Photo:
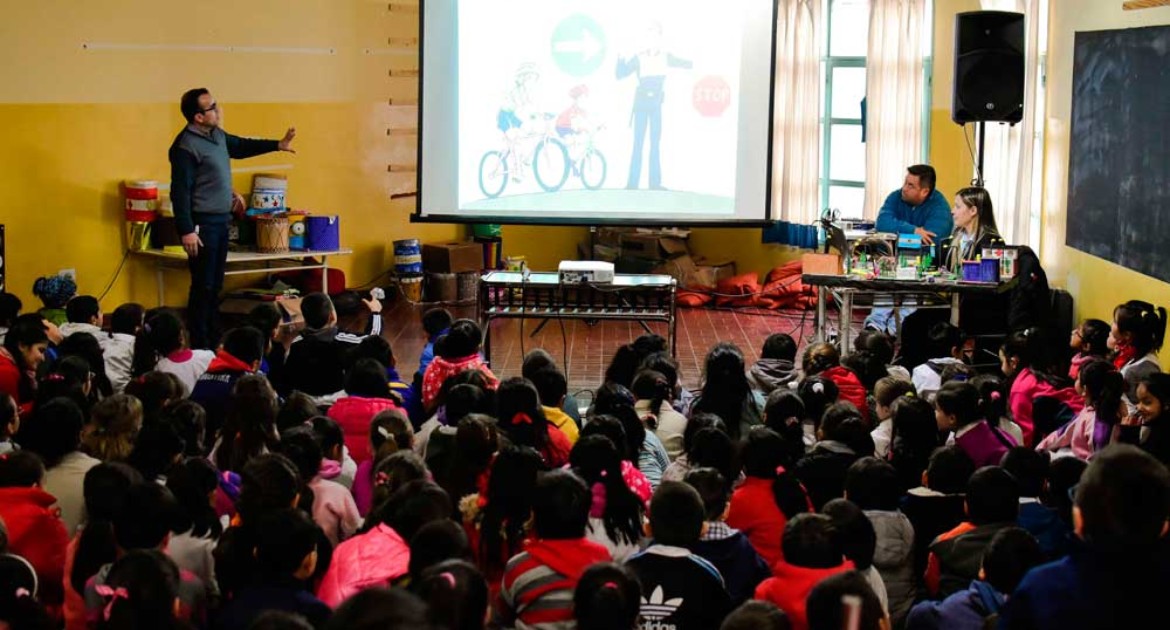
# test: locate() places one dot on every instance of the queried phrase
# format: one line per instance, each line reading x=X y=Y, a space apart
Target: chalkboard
x=1119 y=149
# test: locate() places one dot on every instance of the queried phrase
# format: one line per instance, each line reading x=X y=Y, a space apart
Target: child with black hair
x=336 y=464
x=818 y=394
x=297 y=409
x=858 y=543
x=957 y=409
x=615 y=513
x=435 y=542
x=726 y=391
x=197 y=527
x=456 y=593
x=822 y=470
x=538 y=359
x=914 y=438
x=538 y=584
x=390 y=432
x=68 y=377
x=642 y=446
x=654 y=392
x=948 y=346
x=162 y=345
x=1011 y=553
x=473 y=396
x=1095 y=427
x=118 y=345
x=1064 y=473
x=459 y=351
x=756 y=615
x=521 y=417
x=155 y=390
x=189 y=420
x=267 y=318
x=140 y=591
x=377 y=348
x=23 y=352
x=317 y=357
x=608 y=597
x=9 y=424
x=249 y=428
x=84 y=314
x=769 y=496
x=475 y=442
x=938 y=505
x=784 y=413
x=552 y=388
x=330 y=503
x=497 y=517
x=286 y=557
x=87 y=347
x=19 y=605
x=144 y=523
x=1030 y=468
x=1024 y=358
x=823 y=359
x=845 y=600
x=1136 y=337
x=10 y=306
x=1152 y=419
x=1089 y=342
x=1119 y=577
x=696 y=423
x=683 y=589
x=381 y=609
x=993 y=400
x=776 y=368
x=665 y=364
x=812 y=553
x=873 y=485
x=612 y=428
x=728 y=549
x=368 y=394
x=436 y=322
x=239 y=355
x=157 y=448
x=628 y=359
x=886 y=392
x=34 y=531
x=992 y=504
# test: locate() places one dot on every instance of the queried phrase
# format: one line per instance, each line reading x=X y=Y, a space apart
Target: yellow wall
x=89 y=98
x=1097 y=286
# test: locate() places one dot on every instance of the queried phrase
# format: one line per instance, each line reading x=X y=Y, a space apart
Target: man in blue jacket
x=918 y=208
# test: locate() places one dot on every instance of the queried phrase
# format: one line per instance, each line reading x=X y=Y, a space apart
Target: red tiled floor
x=589 y=348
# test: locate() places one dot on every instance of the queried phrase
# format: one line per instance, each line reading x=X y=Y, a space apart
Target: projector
x=585 y=271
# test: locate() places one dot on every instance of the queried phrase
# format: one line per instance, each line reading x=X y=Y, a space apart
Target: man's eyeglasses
x=214 y=106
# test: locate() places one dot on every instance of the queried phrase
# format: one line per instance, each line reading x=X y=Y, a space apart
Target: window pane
x=849 y=34
x=847 y=200
x=848 y=90
x=846 y=153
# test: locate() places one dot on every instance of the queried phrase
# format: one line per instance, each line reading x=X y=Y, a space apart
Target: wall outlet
x=70 y=273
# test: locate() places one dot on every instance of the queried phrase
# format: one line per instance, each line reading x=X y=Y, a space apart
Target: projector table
x=630 y=297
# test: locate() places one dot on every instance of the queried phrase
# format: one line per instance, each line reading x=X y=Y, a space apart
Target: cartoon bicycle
x=590 y=165
x=540 y=148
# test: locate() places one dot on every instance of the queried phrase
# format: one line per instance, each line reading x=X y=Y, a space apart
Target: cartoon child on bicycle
x=519 y=100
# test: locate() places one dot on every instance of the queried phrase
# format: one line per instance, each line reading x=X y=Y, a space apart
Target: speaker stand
x=980 y=145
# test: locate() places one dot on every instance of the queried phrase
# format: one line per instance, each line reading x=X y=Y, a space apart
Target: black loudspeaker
x=989 y=67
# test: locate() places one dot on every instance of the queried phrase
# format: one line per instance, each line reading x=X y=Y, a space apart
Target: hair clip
x=22 y=592
x=146 y=328
x=910 y=395
x=382 y=431
x=54 y=377
x=381 y=479
x=996 y=395
x=449 y=578
x=114 y=594
x=521 y=418
x=818 y=388
x=610 y=584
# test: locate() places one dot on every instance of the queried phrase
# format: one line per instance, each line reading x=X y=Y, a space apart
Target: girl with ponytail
x=1103 y=388
x=521 y=417
x=654 y=392
x=162 y=345
x=608 y=597
x=615 y=518
x=1024 y=357
x=769 y=496
x=1139 y=328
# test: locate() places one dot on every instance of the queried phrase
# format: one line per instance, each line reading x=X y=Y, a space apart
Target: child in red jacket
x=35 y=530
x=812 y=552
x=824 y=360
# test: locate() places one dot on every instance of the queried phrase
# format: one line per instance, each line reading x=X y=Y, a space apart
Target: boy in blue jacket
x=728 y=549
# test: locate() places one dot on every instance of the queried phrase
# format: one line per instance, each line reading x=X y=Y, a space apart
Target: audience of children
x=205 y=512
x=948 y=346
x=317 y=357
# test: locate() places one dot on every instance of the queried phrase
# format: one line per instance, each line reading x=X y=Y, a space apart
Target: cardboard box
x=452 y=257
x=607 y=253
x=821 y=264
x=681 y=268
x=611 y=236
x=708 y=273
x=626 y=264
x=653 y=246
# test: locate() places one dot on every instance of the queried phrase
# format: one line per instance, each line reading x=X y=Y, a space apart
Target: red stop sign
x=711 y=96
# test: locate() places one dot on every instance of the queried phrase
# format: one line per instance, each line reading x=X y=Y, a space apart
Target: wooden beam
x=1134 y=5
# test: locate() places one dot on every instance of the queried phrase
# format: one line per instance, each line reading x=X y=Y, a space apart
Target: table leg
x=846 y=322
x=158 y=282
x=325 y=275
x=954 y=309
x=822 y=298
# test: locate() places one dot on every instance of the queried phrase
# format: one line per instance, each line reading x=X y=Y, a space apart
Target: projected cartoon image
x=566 y=107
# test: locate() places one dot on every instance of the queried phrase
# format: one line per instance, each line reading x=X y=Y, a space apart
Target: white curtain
x=796 y=132
x=1010 y=157
x=895 y=88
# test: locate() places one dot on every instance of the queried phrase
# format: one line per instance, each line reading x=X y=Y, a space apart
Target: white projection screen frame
x=531 y=112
